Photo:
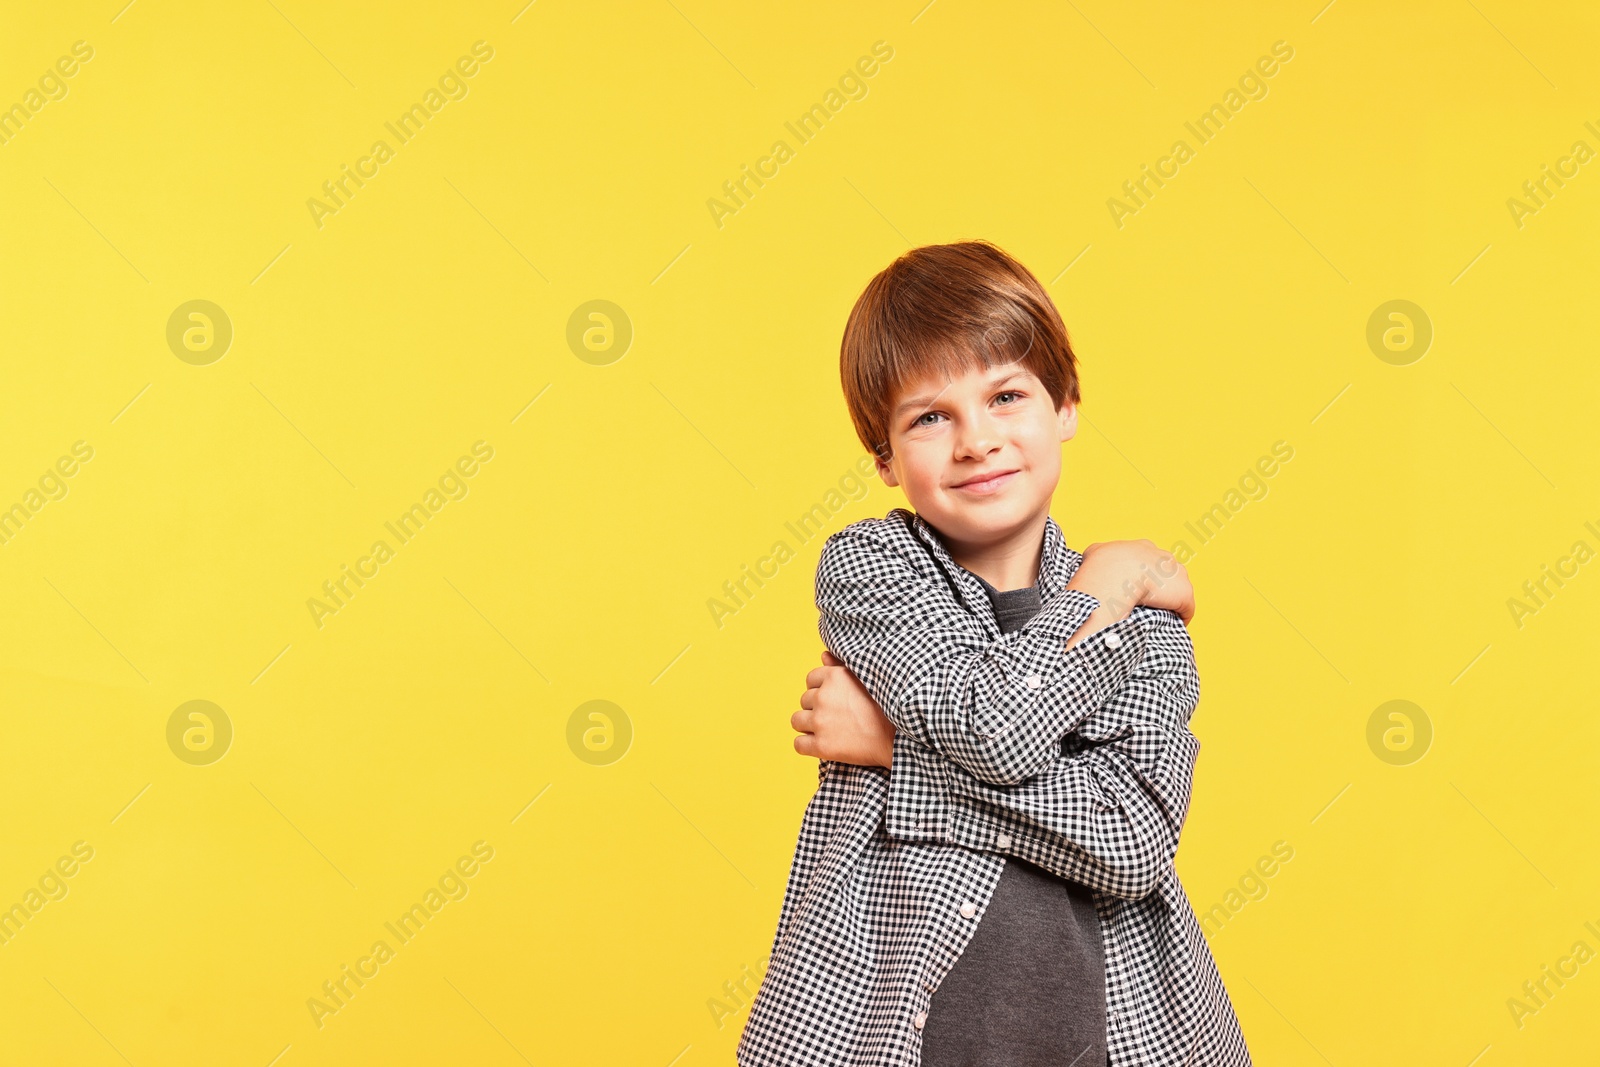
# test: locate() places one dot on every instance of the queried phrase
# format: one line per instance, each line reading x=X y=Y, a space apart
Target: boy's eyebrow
x=922 y=401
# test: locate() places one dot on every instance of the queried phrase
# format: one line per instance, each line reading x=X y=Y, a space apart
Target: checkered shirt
x=1007 y=744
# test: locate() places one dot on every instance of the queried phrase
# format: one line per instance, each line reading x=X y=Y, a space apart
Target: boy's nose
x=977 y=438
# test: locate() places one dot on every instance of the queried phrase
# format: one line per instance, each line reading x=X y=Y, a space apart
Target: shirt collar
x=1057 y=563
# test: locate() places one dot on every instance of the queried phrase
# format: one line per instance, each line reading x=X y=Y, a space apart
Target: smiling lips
x=987 y=483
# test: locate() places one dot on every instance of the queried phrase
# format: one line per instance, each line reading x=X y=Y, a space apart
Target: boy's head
x=956 y=366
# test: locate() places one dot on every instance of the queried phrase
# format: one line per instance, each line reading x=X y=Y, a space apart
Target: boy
x=984 y=875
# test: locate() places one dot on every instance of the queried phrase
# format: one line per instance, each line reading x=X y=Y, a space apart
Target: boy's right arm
x=996 y=707
x=1108 y=810
x=1124 y=575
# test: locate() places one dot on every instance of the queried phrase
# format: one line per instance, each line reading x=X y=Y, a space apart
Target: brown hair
x=952 y=307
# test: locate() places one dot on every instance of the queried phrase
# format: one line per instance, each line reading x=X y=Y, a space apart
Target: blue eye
x=918 y=421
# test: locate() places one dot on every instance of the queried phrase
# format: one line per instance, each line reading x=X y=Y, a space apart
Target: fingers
x=804 y=720
x=830 y=660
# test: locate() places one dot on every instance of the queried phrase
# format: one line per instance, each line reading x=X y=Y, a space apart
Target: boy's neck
x=1012 y=562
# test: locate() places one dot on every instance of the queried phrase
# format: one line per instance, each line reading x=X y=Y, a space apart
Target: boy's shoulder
x=900 y=531
x=899 y=523
x=904 y=533
x=866 y=545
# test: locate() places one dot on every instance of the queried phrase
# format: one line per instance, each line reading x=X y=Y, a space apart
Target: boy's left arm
x=1108 y=809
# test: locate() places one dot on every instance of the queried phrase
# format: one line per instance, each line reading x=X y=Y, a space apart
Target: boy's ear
x=886 y=473
x=1068 y=416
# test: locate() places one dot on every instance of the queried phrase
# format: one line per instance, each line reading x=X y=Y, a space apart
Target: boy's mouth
x=986 y=483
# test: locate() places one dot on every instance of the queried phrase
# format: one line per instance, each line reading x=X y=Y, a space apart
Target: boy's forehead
x=934 y=382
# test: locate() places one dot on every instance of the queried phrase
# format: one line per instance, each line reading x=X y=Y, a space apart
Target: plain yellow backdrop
x=638 y=860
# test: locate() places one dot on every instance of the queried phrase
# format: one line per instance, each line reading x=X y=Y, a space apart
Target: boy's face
x=950 y=437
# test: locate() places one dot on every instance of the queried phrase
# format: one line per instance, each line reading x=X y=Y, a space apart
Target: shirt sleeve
x=1108 y=810
x=996 y=707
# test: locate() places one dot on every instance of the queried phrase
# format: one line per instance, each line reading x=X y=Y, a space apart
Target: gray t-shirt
x=1030 y=988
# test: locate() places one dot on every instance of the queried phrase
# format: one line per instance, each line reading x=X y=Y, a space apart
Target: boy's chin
x=984 y=519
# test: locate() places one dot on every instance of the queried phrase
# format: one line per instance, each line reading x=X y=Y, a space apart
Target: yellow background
x=370 y=353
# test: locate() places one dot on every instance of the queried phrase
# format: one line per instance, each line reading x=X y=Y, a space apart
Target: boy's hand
x=838 y=719
x=1125 y=574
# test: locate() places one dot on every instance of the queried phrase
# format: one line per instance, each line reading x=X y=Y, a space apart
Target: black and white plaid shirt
x=1007 y=744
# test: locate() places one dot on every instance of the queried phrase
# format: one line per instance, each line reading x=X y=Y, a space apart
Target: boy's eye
x=918 y=421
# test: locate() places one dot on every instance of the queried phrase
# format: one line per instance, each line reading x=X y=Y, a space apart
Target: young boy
x=985 y=873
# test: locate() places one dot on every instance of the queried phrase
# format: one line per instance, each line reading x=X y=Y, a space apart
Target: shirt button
x=1034 y=681
x=1002 y=840
x=968 y=910
x=1113 y=640
x=920 y=1020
